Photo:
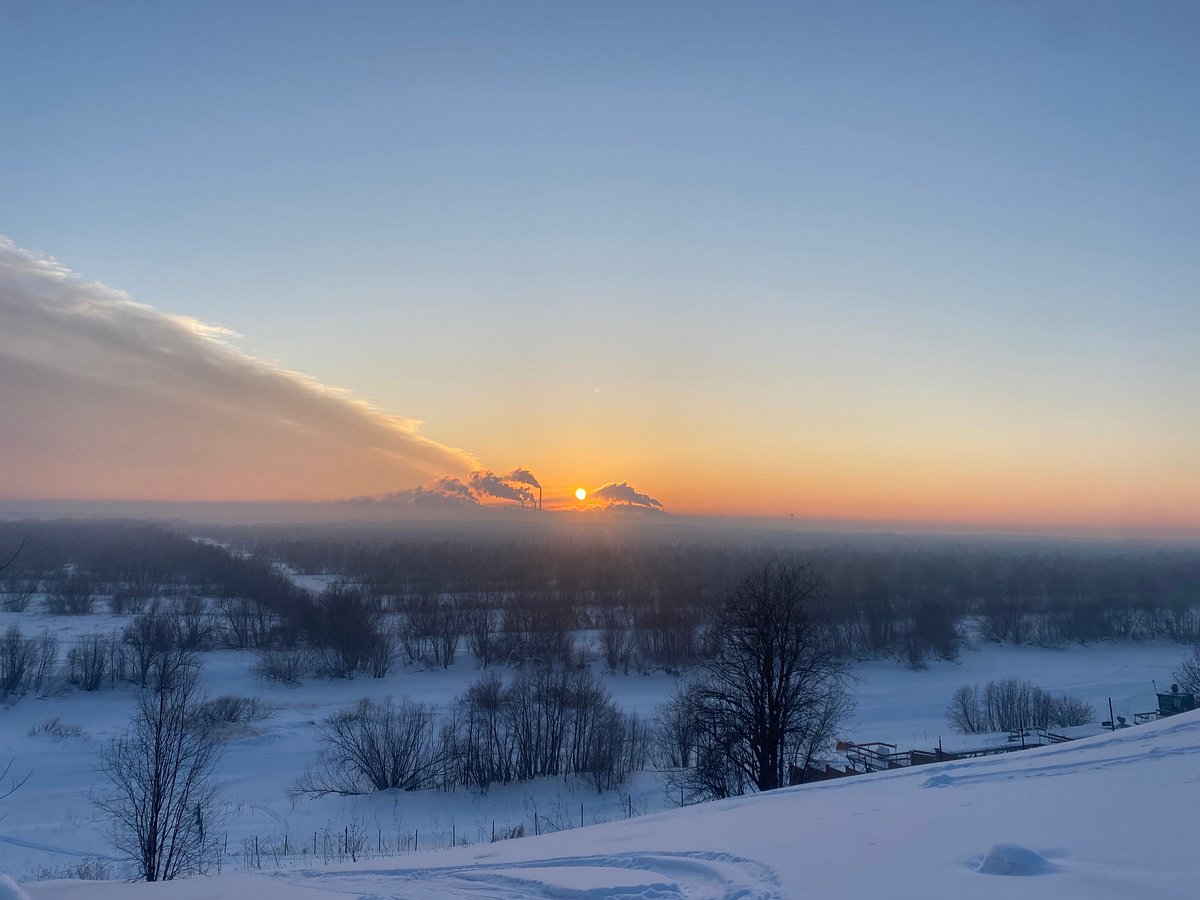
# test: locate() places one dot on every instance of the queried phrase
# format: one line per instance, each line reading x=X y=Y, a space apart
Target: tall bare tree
x=161 y=802
x=774 y=692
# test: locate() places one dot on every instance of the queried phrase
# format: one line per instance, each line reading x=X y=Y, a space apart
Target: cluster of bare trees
x=159 y=636
x=551 y=719
x=26 y=664
x=548 y=720
x=1014 y=705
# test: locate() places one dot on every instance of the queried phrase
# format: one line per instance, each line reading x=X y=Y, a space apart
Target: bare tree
x=965 y=714
x=1188 y=673
x=149 y=637
x=13 y=558
x=20 y=591
x=482 y=623
x=10 y=785
x=161 y=805
x=775 y=691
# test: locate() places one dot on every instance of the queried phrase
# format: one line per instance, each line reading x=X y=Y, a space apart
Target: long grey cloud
x=101 y=396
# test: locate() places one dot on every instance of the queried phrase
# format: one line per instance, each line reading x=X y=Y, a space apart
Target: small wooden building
x=1175 y=701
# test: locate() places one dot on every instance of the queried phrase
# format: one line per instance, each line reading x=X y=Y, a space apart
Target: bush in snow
x=72 y=596
x=1013 y=705
x=376 y=746
x=90 y=661
x=225 y=712
x=56 y=728
x=286 y=665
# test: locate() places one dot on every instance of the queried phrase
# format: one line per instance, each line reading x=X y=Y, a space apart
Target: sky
x=890 y=261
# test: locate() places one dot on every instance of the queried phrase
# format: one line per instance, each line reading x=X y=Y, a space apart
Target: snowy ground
x=1106 y=817
x=50 y=823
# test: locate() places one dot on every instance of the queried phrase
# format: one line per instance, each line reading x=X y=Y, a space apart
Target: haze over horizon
x=930 y=263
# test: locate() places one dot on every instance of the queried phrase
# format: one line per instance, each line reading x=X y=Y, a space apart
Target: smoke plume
x=487 y=483
x=521 y=475
x=623 y=494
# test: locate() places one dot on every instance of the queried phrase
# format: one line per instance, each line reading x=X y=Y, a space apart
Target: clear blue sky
x=592 y=234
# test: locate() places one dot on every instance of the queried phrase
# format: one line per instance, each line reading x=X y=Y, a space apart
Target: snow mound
x=1013 y=859
x=9 y=889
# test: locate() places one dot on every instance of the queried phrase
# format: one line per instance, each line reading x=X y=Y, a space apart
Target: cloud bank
x=103 y=397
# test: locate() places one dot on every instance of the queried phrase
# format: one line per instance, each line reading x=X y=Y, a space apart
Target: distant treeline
x=645 y=596
x=901 y=596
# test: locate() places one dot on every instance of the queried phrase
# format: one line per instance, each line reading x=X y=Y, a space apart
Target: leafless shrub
x=72 y=596
x=126 y=602
x=1072 y=711
x=965 y=712
x=17 y=660
x=56 y=728
x=376 y=746
x=286 y=665
x=229 y=710
x=80 y=870
x=45 y=663
x=18 y=594
x=89 y=662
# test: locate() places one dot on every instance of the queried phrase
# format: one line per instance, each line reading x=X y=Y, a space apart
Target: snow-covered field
x=1107 y=817
x=50 y=823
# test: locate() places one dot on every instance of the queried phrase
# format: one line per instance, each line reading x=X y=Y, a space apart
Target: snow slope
x=1107 y=817
x=51 y=823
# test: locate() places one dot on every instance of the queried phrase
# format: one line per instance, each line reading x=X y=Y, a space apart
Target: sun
x=580 y=494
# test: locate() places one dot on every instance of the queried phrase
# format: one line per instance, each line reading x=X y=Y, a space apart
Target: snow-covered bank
x=1106 y=817
x=50 y=823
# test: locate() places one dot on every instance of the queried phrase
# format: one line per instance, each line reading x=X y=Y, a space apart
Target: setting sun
x=580 y=494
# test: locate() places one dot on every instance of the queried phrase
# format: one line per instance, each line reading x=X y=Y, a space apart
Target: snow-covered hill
x=1110 y=816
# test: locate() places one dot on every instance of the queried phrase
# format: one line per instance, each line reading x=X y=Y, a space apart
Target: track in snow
x=661 y=876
